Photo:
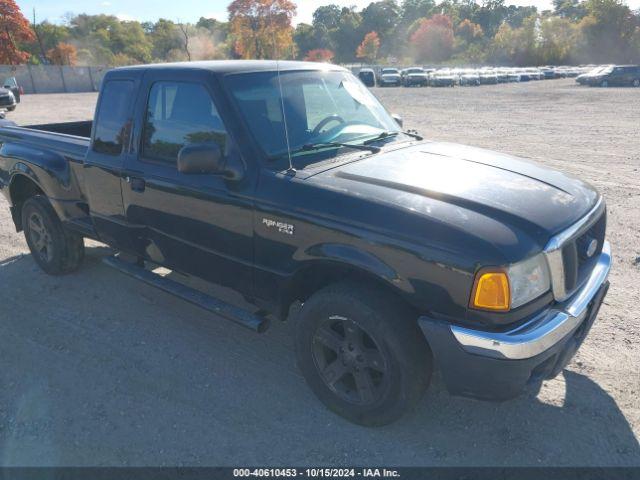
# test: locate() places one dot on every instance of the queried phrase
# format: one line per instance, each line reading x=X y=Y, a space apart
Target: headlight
x=528 y=279
x=506 y=288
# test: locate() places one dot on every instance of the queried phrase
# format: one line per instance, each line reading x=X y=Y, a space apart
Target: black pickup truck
x=290 y=183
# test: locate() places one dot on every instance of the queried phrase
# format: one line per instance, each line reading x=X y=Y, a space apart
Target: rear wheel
x=604 y=84
x=362 y=353
x=56 y=250
x=636 y=82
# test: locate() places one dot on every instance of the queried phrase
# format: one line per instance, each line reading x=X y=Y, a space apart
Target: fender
x=49 y=170
x=352 y=256
x=327 y=263
x=22 y=182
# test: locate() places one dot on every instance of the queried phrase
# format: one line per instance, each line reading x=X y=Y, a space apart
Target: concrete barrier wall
x=54 y=78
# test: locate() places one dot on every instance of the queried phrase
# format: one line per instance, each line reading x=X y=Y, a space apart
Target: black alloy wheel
x=349 y=361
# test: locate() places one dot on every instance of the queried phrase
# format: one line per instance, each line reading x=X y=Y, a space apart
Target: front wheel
x=362 y=353
x=604 y=84
x=636 y=82
x=56 y=250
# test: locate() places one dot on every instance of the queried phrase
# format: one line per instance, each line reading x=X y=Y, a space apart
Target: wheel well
x=313 y=278
x=21 y=189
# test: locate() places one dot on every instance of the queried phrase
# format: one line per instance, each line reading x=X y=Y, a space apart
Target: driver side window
x=179 y=114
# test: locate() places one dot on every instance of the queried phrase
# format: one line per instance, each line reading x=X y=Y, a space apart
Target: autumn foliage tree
x=469 y=31
x=319 y=55
x=432 y=41
x=262 y=28
x=369 y=48
x=14 y=28
x=63 y=54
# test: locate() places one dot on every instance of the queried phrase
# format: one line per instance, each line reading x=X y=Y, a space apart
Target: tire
x=56 y=250
x=374 y=360
x=11 y=109
x=636 y=82
x=604 y=84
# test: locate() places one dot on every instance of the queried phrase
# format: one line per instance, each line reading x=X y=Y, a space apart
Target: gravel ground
x=98 y=369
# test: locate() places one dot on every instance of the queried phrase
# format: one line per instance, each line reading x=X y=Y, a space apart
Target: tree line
x=407 y=31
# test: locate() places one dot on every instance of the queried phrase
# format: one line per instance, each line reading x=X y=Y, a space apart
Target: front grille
x=578 y=264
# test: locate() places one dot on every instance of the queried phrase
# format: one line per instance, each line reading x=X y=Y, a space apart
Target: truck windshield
x=321 y=107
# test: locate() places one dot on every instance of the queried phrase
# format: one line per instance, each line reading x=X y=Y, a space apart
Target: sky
x=189 y=10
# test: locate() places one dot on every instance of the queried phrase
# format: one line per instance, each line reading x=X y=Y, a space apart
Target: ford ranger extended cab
x=290 y=183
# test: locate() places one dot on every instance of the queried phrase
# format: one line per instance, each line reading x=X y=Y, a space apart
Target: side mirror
x=200 y=158
x=397 y=118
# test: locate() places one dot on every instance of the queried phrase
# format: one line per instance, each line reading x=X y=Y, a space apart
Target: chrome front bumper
x=542 y=332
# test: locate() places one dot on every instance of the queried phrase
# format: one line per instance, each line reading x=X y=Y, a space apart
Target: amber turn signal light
x=491 y=291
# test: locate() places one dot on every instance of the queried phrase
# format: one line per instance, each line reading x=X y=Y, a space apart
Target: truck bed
x=51 y=157
x=76 y=129
x=61 y=138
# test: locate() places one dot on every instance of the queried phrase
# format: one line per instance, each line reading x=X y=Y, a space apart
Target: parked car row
x=449 y=77
x=611 y=75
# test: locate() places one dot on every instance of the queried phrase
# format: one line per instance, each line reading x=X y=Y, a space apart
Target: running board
x=242 y=317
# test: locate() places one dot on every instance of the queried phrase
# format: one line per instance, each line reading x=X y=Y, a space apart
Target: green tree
x=48 y=36
x=327 y=16
x=516 y=15
x=516 y=46
x=413 y=10
x=381 y=17
x=573 y=10
x=635 y=44
x=346 y=37
x=165 y=38
x=305 y=38
x=217 y=28
x=106 y=40
x=608 y=30
x=130 y=40
x=558 y=40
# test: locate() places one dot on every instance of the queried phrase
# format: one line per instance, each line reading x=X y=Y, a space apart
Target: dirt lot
x=97 y=369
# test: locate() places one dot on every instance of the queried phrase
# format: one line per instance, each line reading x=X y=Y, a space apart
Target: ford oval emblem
x=591 y=249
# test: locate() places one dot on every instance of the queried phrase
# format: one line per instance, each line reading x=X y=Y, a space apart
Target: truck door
x=198 y=224
x=104 y=163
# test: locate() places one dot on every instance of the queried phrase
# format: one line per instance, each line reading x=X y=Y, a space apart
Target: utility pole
x=35 y=30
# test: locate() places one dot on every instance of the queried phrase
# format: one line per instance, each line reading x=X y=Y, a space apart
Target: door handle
x=136 y=184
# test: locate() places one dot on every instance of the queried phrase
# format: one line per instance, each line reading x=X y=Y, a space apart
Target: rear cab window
x=113 y=121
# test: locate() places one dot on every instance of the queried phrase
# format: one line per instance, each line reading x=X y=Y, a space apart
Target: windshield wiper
x=414 y=134
x=382 y=136
x=310 y=147
x=317 y=146
x=385 y=135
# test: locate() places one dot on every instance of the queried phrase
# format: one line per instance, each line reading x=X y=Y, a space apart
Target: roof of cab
x=236 y=66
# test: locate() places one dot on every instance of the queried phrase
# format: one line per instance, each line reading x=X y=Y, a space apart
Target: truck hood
x=474 y=188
